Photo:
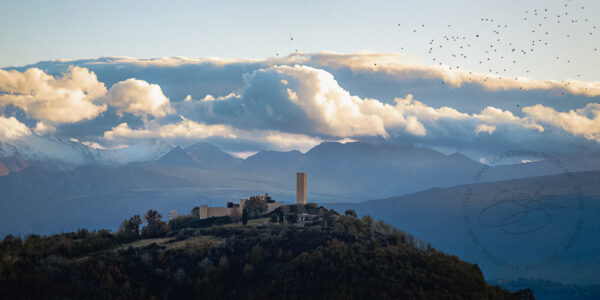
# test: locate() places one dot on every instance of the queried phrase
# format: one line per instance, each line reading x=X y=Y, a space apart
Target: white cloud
x=305 y=100
x=187 y=129
x=93 y=145
x=332 y=109
x=184 y=129
x=139 y=98
x=581 y=122
x=42 y=128
x=401 y=66
x=210 y=97
x=11 y=128
x=498 y=116
x=192 y=130
x=394 y=64
x=74 y=97
x=489 y=129
x=288 y=141
x=122 y=131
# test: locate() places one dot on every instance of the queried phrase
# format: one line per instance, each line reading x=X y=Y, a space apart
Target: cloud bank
x=307 y=100
x=296 y=102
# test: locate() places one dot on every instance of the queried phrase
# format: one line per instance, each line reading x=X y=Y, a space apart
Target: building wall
x=300 y=188
x=209 y=212
x=203 y=212
x=273 y=206
x=220 y=211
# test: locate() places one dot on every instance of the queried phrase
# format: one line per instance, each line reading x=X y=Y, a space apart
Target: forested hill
x=331 y=256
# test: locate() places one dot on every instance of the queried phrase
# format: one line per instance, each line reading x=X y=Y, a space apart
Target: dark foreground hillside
x=331 y=257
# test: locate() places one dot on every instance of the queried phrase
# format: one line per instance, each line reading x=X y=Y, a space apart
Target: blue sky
x=34 y=31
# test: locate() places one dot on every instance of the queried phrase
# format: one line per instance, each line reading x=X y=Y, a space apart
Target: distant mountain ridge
x=177 y=158
x=43 y=149
x=203 y=173
x=211 y=156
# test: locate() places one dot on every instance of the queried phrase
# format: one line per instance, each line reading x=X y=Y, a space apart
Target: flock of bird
x=493 y=44
x=497 y=45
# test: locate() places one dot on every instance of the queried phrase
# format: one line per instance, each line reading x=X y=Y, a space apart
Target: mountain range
x=96 y=187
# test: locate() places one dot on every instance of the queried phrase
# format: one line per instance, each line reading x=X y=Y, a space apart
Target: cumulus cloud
x=297 y=99
x=11 y=128
x=489 y=129
x=139 y=97
x=184 y=129
x=93 y=145
x=581 y=122
x=282 y=140
x=190 y=130
x=74 y=97
x=306 y=100
x=42 y=128
x=210 y=97
x=331 y=109
x=497 y=116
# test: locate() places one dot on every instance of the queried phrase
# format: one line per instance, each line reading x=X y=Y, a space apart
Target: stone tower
x=300 y=188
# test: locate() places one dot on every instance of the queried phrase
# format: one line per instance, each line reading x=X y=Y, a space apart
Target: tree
x=274 y=218
x=350 y=213
x=525 y=294
x=156 y=226
x=292 y=217
x=196 y=211
x=255 y=207
x=368 y=220
x=129 y=229
x=245 y=217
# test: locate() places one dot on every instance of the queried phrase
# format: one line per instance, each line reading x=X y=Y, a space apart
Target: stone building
x=236 y=209
x=233 y=209
x=300 y=188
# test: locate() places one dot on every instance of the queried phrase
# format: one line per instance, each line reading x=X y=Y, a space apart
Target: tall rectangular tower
x=300 y=188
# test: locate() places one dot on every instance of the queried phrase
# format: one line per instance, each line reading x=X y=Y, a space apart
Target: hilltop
x=296 y=251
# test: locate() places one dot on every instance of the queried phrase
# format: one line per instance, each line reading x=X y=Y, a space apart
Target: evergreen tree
x=129 y=228
x=156 y=226
x=245 y=217
x=196 y=211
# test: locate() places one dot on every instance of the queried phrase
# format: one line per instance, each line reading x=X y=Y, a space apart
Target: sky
x=33 y=31
x=467 y=76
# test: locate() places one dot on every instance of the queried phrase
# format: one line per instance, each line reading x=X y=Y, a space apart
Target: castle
x=233 y=209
